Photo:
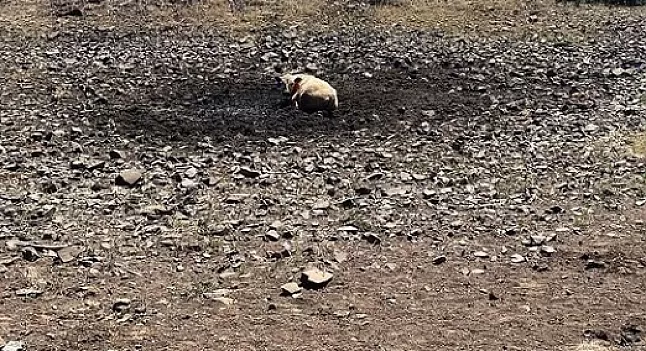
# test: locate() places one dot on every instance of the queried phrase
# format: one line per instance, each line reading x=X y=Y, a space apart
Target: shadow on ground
x=193 y=108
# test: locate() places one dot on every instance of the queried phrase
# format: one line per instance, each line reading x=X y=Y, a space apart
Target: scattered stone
x=276 y=225
x=94 y=273
x=516 y=258
x=593 y=264
x=340 y=256
x=348 y=228
x=188 y=183
x=375 y=176
x=405 y=176
x=248 y=172
x=30 y=292
x=121 y=305
x=277 y=141
x=227 y=275
x=537 y=240
x=372 y=238
x=77 y=164
x=217 y=230
x=96 y=165
x=591 y=128
x=210 y=181
x=321 y=205
x=556 y=209
x=284 y=250
x=291 y=289
x=363 y=190
x=456 y=224
x=129 y=177
x=14 y=346
x=547 y=250
x=69 y=253
x=74 y=12
x=417 y=176
x=236 y=198
x=216 y=293
x=115 y=155
x=596 y=334
x=630 y=334
x=480 y=254
x=227 y=301
x=617 y=72
x=561 y=141
x=8 y=261
x=191 y=172
x=272 y=235
x=314 y=278
x=13 y=245
x=30 y=254
x=439 y=260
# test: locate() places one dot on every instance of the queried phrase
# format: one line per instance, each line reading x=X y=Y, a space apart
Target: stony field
x=482 y=186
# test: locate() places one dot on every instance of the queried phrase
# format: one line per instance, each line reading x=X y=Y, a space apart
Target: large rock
x=314 y=278
x=129 y=177
x=14 y=346
x=291 y=289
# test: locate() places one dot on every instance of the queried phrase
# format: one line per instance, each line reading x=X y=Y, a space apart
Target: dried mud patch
x=254 y=108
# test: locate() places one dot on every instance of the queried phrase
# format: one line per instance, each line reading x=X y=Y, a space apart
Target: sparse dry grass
x=512 y=17
x=638 y=144
x=509 y=17
x=257 y=14
x=425 y=13
x=591 y=346
x=34 y=17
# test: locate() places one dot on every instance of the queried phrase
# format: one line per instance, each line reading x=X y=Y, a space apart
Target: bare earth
x=482 y=186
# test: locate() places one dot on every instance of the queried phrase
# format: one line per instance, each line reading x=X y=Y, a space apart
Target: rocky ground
x=471 y=193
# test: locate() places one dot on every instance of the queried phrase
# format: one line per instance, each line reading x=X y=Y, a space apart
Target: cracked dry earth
x=470 y=194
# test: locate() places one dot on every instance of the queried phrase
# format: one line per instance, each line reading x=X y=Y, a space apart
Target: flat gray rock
x=314 y=278
x=69 y=254
x=291 y=289
x=14 y=346
x=129 y=177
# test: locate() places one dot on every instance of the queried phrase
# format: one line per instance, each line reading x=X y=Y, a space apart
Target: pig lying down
x=308 y=93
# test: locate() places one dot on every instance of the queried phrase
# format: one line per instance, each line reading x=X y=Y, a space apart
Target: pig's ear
x=298 y=80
